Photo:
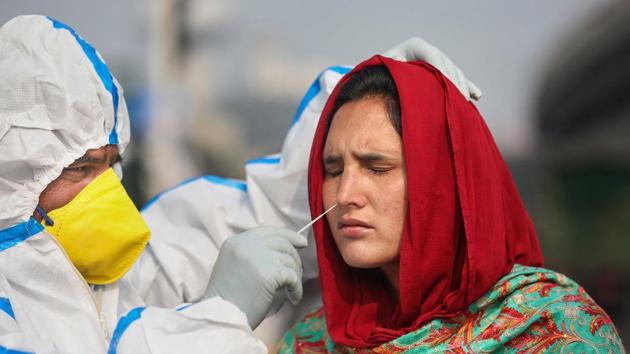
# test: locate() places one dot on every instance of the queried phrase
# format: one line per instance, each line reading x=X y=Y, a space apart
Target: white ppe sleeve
x=209 y=326
x=188 y=226
x=12 y=339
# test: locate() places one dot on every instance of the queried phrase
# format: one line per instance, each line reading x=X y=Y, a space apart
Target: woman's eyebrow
x=371 y=157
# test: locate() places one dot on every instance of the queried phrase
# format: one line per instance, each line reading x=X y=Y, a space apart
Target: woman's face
x=364 y=173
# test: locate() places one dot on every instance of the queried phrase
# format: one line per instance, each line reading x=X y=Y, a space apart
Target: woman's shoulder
x=313 y=321
x=536 y=284
x=529 y=310
x=308 y=335
x=537 y=308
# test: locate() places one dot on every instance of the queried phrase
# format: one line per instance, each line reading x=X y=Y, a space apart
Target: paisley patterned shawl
x=532 y=310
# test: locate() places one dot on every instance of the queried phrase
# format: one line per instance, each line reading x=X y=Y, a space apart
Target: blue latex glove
x=255 y=267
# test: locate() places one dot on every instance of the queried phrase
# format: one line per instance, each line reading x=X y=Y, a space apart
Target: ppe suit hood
x=58 y=101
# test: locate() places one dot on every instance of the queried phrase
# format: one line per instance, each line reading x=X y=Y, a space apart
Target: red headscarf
x=465 y=228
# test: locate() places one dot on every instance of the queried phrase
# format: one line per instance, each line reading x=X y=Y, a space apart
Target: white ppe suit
x=58 y=101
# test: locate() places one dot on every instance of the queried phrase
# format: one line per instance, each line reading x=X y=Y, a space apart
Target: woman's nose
x=349 y=192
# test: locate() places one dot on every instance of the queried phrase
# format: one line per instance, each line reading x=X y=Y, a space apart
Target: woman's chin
x=359 y=259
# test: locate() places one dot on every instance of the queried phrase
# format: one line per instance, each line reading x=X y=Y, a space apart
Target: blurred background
x=212 y=84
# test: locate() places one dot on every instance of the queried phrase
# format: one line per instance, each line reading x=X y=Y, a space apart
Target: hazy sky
x=501 y=45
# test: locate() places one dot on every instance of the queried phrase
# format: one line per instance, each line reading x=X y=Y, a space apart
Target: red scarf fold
x=465 y=228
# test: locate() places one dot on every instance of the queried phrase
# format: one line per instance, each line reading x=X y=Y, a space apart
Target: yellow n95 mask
x=100 y=229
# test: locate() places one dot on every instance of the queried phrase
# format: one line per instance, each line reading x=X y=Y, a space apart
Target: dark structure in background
x=583 y=201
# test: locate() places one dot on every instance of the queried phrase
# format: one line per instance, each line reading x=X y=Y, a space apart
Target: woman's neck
x=392 y=274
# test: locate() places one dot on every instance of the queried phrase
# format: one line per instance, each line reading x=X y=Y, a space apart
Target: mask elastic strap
x=45 y=216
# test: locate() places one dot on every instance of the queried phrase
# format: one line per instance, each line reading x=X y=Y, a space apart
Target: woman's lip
x=354 y=231
x=350 y=227
x=350 y=222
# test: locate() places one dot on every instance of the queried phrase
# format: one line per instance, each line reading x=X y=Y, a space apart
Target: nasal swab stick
x=317 y=218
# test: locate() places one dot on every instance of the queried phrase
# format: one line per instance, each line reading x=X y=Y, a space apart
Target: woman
x=429 y=247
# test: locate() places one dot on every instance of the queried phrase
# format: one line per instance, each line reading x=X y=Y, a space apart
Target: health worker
x=77 y=269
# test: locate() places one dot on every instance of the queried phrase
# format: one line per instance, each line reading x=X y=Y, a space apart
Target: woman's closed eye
x=332 y=171
x=333 y=166
x=380 y=170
